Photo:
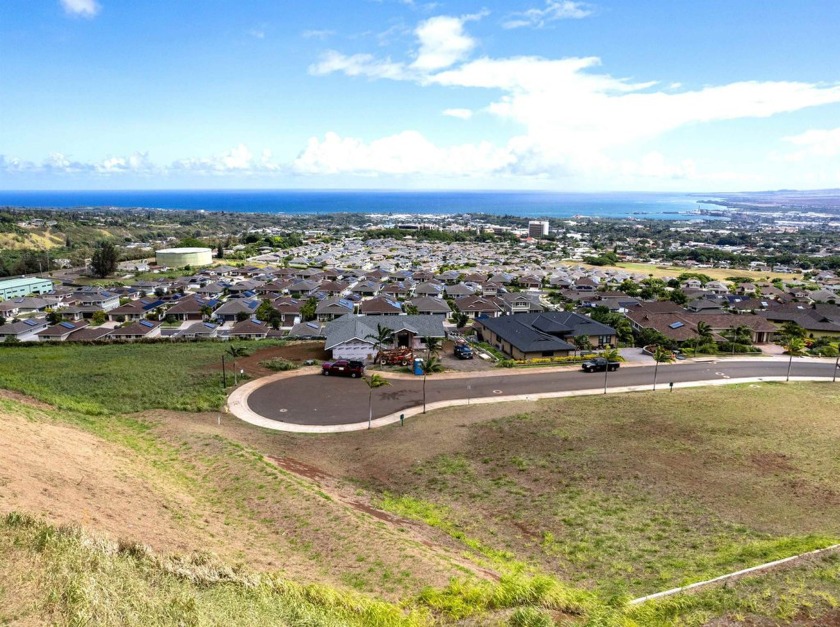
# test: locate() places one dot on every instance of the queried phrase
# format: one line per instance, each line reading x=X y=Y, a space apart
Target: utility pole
x=836 y=366
x=224 y=372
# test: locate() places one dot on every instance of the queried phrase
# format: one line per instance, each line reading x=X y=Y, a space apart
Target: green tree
x=678 y=296
x=104 y=259
x=582 y=343
x=429 y=366
x=739 y=336
x=610 y=354
x=661 y=356
x=374 y=381
x=461 y=319
x=795 y=347
x=433 y=345
x=264 y=310
x=307 y=310
x=791 y=329
x=98 y=317
x=383 y=336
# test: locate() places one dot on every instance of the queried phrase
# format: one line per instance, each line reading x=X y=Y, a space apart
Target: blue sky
x=516 y=94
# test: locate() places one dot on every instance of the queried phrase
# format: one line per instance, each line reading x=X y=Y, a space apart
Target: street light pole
x=606 y=372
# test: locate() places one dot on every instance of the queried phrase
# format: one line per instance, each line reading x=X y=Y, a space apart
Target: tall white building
x=537 y=228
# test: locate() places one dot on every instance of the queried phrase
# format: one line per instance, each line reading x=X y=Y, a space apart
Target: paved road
x=317 y=400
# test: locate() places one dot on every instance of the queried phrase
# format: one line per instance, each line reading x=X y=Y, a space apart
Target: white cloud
x=823 y=143
x=83 y=8
x=571 y=115
x=461 y=114
x=554 y=10
x=237 y=162
x=317 y=34
x=357 y=65
x=407 y=153
x=443 y=42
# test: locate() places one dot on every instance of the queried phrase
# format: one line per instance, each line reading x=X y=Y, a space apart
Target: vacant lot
x=715 y=273
x=118 y=378
x=626 y=495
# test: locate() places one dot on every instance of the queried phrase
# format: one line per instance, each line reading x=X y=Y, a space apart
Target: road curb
x=238 y=401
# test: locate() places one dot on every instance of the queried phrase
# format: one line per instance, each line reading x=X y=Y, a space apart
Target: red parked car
x=343 y=368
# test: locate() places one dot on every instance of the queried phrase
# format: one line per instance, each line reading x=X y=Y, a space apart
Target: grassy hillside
x=522 y=514
x=118 y=378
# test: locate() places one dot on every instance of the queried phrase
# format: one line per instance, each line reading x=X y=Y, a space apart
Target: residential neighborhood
x=511 y=298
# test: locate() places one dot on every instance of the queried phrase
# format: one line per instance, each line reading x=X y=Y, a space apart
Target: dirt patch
x=69 y=476
x=772 y=463
x=297 y=352
x=299 y=468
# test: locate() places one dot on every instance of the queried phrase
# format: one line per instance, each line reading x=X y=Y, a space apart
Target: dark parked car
x=463 y=351
x=599 y=364
x=343 y=368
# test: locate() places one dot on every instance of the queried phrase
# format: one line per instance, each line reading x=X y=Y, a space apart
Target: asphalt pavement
x=311 y=399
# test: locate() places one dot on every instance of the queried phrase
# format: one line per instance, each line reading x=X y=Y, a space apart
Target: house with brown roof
x=380 y=306
x=249 y=330
x=61 y=332
x=475 y=306
x=143 y=329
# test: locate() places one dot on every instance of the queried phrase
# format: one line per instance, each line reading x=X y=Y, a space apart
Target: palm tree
x=581 y=343
x=704 y=332
x=740 y=335
x=429 y=366
x=374 y=381
x=795 y=347
x=791 y=329
x=383 y=336
x=661 y=355
x=610 y=354
x=433 y=345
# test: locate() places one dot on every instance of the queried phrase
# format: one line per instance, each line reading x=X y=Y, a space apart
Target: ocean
x=514 y=203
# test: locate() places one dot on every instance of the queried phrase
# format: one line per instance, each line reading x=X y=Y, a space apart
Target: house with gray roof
x=349 y=337
x=544 y=334
x=431 y=306
x=23 y=331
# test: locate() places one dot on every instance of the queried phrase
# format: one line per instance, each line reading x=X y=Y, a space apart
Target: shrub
x=278 y=364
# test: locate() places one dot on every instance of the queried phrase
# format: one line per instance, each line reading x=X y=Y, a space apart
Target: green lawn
x=120 y=378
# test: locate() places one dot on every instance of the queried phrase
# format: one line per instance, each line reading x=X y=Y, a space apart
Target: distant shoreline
x=551 y=205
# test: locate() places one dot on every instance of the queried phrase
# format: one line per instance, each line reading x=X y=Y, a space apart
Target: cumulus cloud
x=443 y=42
x=824 y=143
x=83 y=8
x=406 y=153
x=571 y=113
x=237 y=162
x=552 y=11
